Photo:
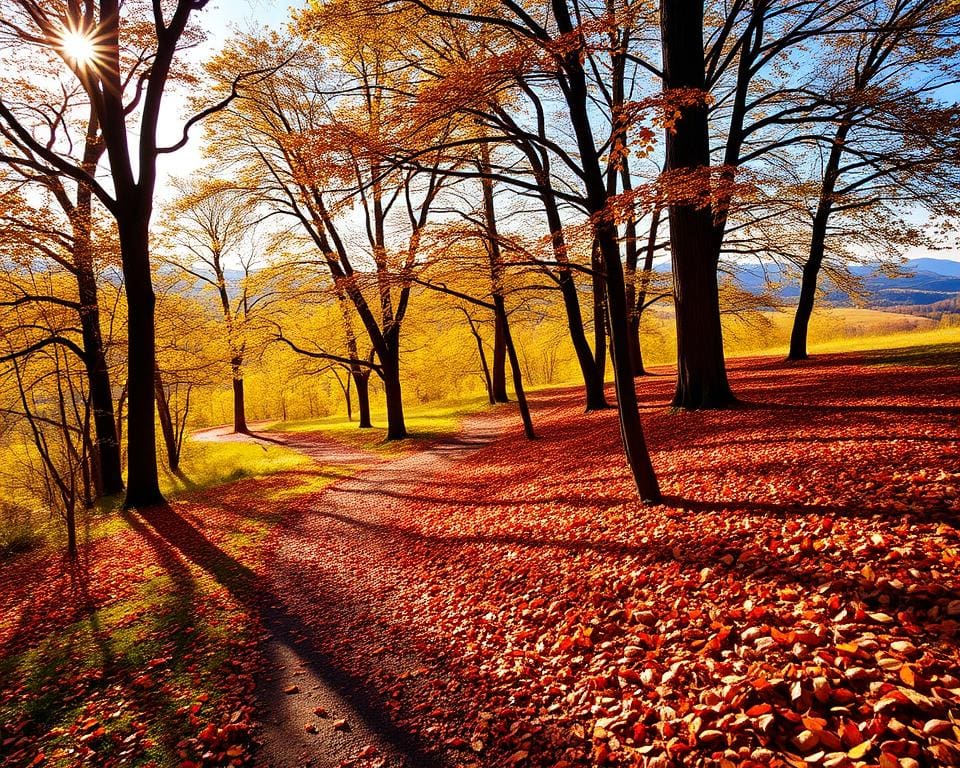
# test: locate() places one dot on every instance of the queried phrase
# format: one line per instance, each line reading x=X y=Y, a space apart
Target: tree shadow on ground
x=174 y=532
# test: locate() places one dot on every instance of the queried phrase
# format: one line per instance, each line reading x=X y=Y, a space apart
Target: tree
x=701 y=370
x=124 y=65
x=191 y=354
x=76 y=253
x=306 y=285
x=895 y=142
x=41 y=356
x=312 y=147
x=208 y=224
x=554 y=53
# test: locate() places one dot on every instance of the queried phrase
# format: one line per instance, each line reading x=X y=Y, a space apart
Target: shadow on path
x=174 y=532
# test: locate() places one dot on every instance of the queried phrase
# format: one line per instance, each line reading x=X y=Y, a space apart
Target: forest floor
x=488 y=601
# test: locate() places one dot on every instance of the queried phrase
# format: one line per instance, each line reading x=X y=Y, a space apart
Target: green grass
x=425 y=423
x=865 y=332
x=205 y=464
x=118 y=643
x=941 y=354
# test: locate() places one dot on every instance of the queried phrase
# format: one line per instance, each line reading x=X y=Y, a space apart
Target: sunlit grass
x=919 y=340
x=425 y=423
x=204 y=464
x=159 y=631
x=838 y=330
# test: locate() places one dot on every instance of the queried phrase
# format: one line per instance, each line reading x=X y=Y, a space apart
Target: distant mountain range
x=929 y=281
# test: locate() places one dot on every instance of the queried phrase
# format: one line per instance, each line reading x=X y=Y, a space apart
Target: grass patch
x=425 y=424
x=133 y=678
x=838 y=333
x=204 y=464
x=925 y=355
x=916 y=344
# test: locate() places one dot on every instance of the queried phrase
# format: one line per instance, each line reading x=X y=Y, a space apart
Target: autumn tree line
x=369 y=161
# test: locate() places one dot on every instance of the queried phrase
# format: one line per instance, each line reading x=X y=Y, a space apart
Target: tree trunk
x=484 y=368
x=109 y=479
x=101 y=398
x=636 y=349
x=396 y=427
x=485 y=371
x=808 y=292
x=362 y=380
x=495 y=259
x=348 y=401
x=701 y=369
x=818 y=241
x=239 y=410
x=599 y=315
x=634 y=302
x=514 y=368
x=166 y=424
x=631 y=431
x=592 y=381
x=121 y=403
x=71 y=531
x=640 y=301
x=605 y=234
x=499 y=363
x=591 y=372
x=143 y=487
x=107 y=465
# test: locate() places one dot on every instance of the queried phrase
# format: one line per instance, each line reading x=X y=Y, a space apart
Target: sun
x=78 y=47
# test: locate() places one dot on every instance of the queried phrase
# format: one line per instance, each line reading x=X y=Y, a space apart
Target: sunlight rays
x=78 y=46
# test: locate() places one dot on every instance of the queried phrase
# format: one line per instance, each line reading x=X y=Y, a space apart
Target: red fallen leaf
x=235 y=750
x=850 y=734
x=368 y=751
x=759 y=709
x=341 y=725
x=517 y=757
x=937 y=727
x=630 y=675
x=310 y=728
x=848 y=648
x=321 y=712
x=601 y=753
x=482 y=659
x=40 y=757
x=291 y=689
x=815 y=724
x=889 y=761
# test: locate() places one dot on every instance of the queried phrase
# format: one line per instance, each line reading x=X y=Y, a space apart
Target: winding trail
x=314 y=712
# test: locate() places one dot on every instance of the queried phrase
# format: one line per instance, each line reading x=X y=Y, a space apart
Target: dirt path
x=314 y=711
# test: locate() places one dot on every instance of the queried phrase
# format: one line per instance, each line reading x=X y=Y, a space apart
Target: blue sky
x=222 y=17
x=219 y=19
